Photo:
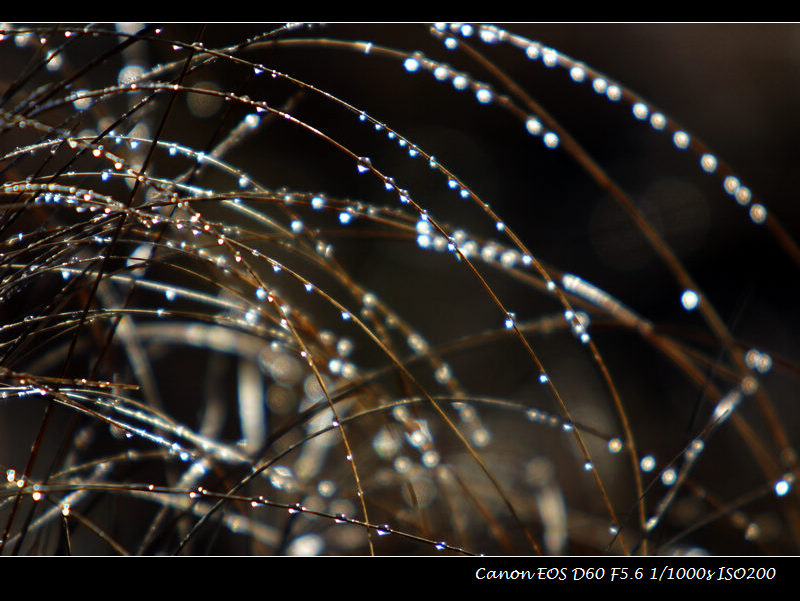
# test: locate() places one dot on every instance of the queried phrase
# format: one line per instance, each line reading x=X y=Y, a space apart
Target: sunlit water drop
x=690 y=300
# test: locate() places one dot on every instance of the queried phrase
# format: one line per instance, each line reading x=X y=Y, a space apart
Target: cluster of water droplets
x=256 y=307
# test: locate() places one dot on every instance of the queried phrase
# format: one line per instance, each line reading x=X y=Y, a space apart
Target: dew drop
x=441 y=73
x=349 y=371
x=384 y=530
x=443 y=374
x=743 y=195
x=730 y=184
x=599 y=85
x=417 y=343
x=369 y=299
x=430 y=458
x=509 y=259
x=481 y=437
x=424 y=227
x=402 y=465
x=752 y=532
x=613 y=93
x=533 y=126
x=484 y=96
x=690 y=300
x=708 y=162
x=578 y=74
x=648 y=463
x=81 y=103
x=549 y=57
x=418 y=437
x=364 y=164
x=532 y=52
x=658 y=121
x=758 y=214
x=335 y=366
x=758 y=361
x=326 y=488
x=749 y=385
x=551 y=140
x=282 y=478
x=681 y=140
x=411 y=64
